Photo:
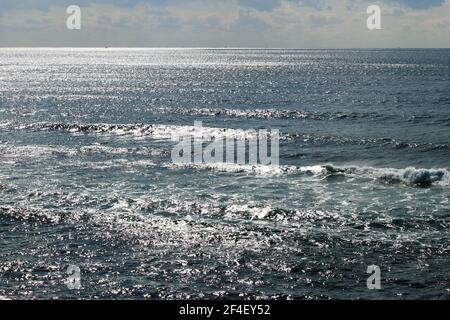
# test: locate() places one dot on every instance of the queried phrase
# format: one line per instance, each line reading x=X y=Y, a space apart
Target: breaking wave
x=163 y=131
x=408 y=176
x=159 y=131
x=247 y=168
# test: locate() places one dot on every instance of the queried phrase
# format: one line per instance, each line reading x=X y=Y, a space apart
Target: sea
x=92 y=205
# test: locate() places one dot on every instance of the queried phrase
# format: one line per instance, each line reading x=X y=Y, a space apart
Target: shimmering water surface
x=86 y=176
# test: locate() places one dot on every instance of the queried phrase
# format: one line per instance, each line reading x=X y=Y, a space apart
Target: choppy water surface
x=86 y=176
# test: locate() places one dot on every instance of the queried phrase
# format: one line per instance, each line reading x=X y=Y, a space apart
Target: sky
x=226 y=23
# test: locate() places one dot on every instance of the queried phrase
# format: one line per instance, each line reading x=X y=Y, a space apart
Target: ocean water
x=86 y=176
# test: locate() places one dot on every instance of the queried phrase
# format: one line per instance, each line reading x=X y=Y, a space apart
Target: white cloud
x=219 y=23
x=225 y=13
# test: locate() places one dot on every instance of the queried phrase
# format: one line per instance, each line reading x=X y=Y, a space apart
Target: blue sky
x=226 y=23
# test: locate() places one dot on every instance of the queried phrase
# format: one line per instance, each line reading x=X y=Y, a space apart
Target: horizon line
x=224 y=48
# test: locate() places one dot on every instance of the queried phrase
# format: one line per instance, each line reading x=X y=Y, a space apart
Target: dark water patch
x=29 y=214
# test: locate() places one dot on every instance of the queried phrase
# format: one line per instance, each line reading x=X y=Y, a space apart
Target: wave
x=233 y=210
x=362 y=141
x=32 y=151
x=408 y=176
x=163 y=131
x=5 y=125
x=35 y=151
x=160 y=131
x=246 y=168
x=111 y=164
x=270 y=213
x=266 y=113
x=418 y=177
x=102 y=149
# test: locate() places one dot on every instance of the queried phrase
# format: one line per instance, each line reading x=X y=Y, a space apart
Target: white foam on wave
x=166 y=131
x=409 y=176
x=160 y=131
x=103 y=149
x=412 y=176
x=256 y=213
x=5 y=124
x=246 y=168
x=97 y=148
x=267 y=212
x=32 y=151
x=110 y=164
x=250 y=210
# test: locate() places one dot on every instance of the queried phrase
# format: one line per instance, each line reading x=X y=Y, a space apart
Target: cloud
x=205 y=13
x=418 y=4
x=219 y=23
x=320 y=21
